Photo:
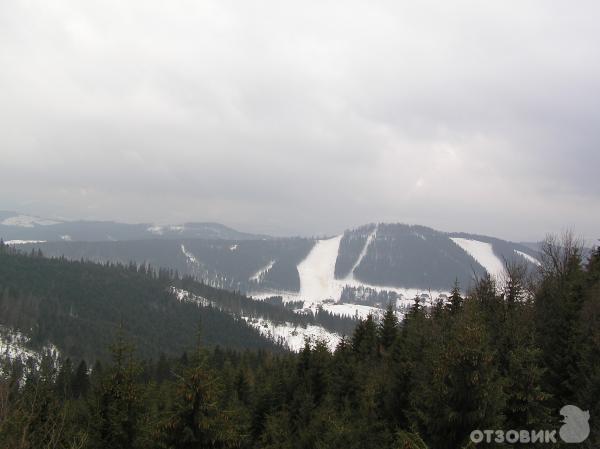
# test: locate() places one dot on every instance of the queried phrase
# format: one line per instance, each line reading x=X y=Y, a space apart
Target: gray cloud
x=304 y=117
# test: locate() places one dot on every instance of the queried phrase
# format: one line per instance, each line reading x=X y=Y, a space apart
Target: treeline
x=499 y=357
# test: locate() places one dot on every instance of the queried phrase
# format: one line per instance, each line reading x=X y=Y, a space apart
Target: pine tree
x=388 y=329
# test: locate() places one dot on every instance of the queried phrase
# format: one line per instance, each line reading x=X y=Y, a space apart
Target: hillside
x=397 y=261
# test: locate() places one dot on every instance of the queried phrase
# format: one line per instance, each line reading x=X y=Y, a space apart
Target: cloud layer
x=304 y=117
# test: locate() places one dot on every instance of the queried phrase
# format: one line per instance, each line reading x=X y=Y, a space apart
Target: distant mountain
x=399 y=259
x=15 y=226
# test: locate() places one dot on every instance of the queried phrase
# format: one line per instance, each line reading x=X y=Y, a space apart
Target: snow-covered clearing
x=293 y=336
x=185 y=296
x=483 y=253
x=13 y=346
x=23 y=242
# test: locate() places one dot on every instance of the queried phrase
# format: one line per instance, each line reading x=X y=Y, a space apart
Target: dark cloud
x=304 y=117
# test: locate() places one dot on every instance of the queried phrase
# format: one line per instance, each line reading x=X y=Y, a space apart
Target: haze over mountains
x=360 y=264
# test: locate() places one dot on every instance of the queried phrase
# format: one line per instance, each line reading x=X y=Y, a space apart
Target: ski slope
x=363 y=253
x=258 y=276
x=529 y=258
x=317 y=272
x=483 y=253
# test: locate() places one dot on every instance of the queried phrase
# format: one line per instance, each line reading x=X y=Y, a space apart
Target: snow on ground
x=186 y=296
x=483 y=253
x=293 y=336
x=23 y=242
x=288 y=334
x=353 y=310
x=529 y=258
x=190 y=257
x=317 y=271
x=261 y=273
x=13 y=346
x=27 y=221
x=157 y=230
x=363 y=253
x=318 y=283
x=233 y=247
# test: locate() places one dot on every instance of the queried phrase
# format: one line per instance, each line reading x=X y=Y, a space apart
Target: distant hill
x=77 y=307
x=399 y=258
x=16 y=226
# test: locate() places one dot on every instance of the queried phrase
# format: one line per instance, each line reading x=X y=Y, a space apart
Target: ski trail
x=317 y=271
x=363 y=253
x=483 y=253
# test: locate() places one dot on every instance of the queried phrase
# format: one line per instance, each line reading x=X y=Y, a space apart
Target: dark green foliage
x=78 y=306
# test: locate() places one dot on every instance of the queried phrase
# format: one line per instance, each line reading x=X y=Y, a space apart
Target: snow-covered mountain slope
x=375 y=264
x=528 y=258
x=293 y=336
x=317 y=271
x=363 y=253
x=286 y=333
x=483 y=253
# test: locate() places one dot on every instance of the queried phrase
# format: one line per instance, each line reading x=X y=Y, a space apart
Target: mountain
x=76 y=308
x=370 y=265
x=16 y=226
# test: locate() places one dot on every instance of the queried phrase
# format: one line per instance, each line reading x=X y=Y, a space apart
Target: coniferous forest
x=499 y=356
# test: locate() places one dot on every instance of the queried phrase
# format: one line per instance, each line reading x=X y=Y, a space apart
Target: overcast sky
x=304 y=117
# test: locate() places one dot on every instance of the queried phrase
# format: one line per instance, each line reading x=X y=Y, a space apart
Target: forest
x=503 y=355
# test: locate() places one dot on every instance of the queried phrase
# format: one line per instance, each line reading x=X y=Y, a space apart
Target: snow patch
x=483 y=253
x=233 y=247
x=186 y=296
x=529 y=258
x=66 y=238
x=27 y=221
x=293 y=336
x=23 y=242
x=156 y=230
x=13 y=346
